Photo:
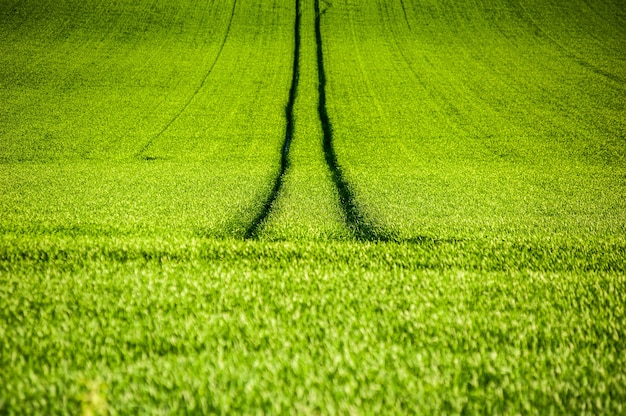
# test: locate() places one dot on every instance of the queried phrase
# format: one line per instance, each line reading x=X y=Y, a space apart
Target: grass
x=230 y=326
x=308 y=206
x=141 y=130
x=140 y=142
x=465 y=120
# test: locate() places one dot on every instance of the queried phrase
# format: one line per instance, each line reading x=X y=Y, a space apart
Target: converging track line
x=256 y=224
x=148 y=144
x=355 y=221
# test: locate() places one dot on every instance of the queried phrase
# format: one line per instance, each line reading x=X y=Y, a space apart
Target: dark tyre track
x=355 y=220
x=141 y=153
x=258 y=221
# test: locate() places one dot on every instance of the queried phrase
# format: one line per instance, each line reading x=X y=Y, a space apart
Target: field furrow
x=358 y=225
x=261 y=217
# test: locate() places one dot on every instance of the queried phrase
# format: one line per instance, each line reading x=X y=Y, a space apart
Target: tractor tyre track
x=362 y=229
x=406 y=17
x=149 y=143
x=253 y=230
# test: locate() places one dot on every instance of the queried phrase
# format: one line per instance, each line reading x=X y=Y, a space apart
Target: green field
x=312 y=207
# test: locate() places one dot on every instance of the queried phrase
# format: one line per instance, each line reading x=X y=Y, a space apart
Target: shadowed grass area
x=66 y=249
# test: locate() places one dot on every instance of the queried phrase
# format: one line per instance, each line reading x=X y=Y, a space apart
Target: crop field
x=312 y=207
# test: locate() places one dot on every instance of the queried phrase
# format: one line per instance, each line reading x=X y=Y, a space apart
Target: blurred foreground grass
x=226 y=326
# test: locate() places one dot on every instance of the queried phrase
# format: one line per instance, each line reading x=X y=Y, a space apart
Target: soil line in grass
x=355 y=221
x=141 y=153
x=254 y=227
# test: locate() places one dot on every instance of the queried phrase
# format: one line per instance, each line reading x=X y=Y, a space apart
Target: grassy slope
x=88 y=89
x=457 y=120
x=94 y=80
x=110 y=290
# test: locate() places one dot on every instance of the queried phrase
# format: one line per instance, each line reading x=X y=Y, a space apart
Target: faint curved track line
x=585 y=64
x=607 y=24
x=593 y=6
x=150 y=142
x=437 y=97
x=406 y=18
x=253 y=230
